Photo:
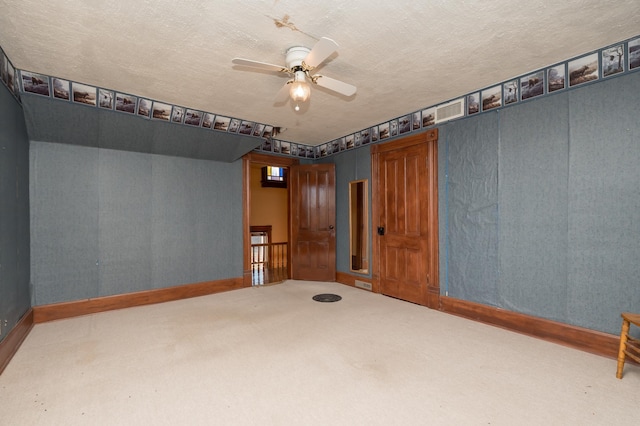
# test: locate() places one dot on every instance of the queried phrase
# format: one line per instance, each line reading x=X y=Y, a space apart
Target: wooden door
x=405 y=218
x=313 y=216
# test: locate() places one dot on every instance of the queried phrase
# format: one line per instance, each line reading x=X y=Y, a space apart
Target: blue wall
x=14 y=213
x=539 y=211
x=107 y=222
x=540 y=206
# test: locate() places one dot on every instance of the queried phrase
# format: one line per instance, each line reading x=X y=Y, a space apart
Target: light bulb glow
x=299 y=91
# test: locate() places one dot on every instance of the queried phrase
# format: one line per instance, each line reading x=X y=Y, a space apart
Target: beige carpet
x=273 y=356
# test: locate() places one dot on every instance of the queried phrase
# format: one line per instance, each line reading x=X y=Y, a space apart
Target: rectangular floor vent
x=450 y=110
x=364 y=285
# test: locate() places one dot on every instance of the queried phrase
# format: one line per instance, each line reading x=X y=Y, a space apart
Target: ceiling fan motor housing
x=295 y=55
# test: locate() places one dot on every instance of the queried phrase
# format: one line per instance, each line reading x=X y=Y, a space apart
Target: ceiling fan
x=301 y=61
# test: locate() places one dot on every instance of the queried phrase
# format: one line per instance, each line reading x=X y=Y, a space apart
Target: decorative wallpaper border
x=9 y=75
x=71 y=91
x=614 y=60
x=609 y=61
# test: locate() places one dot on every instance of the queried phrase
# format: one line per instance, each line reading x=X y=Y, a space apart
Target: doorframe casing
x=247 y=161
x=430 y=137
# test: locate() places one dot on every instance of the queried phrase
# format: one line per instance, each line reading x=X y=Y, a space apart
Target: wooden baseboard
x=10 y=344
x=577 y=337
x=349 y=279
x=75 y=308
x=584 y=339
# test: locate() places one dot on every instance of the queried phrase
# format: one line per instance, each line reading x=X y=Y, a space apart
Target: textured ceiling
x=403 y=56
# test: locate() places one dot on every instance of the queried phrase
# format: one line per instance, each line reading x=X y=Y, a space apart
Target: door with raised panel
x=405 y=218
x=313 y=217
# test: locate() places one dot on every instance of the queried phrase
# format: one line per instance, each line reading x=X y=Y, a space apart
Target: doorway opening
x=267 y=258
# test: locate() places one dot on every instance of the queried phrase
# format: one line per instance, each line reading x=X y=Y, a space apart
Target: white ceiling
x=402 y=55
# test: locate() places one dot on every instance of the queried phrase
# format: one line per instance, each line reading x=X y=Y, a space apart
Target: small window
x=274 y=177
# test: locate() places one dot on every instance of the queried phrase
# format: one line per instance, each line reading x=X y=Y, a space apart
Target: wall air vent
x=450 y=110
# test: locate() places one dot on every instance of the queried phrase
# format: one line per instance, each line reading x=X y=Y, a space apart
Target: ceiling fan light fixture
x=299 y=90
x=301 y=61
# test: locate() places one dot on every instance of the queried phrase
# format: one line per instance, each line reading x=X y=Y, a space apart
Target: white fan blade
x=321 y=51
x=283 y=94
x=261 y=65
x=334 y=85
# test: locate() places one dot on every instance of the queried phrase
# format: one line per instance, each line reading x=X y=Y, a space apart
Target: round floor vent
x=326 y=297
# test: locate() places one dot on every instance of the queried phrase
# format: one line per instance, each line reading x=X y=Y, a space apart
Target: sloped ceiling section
x=49 y=120
x=403 y=56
